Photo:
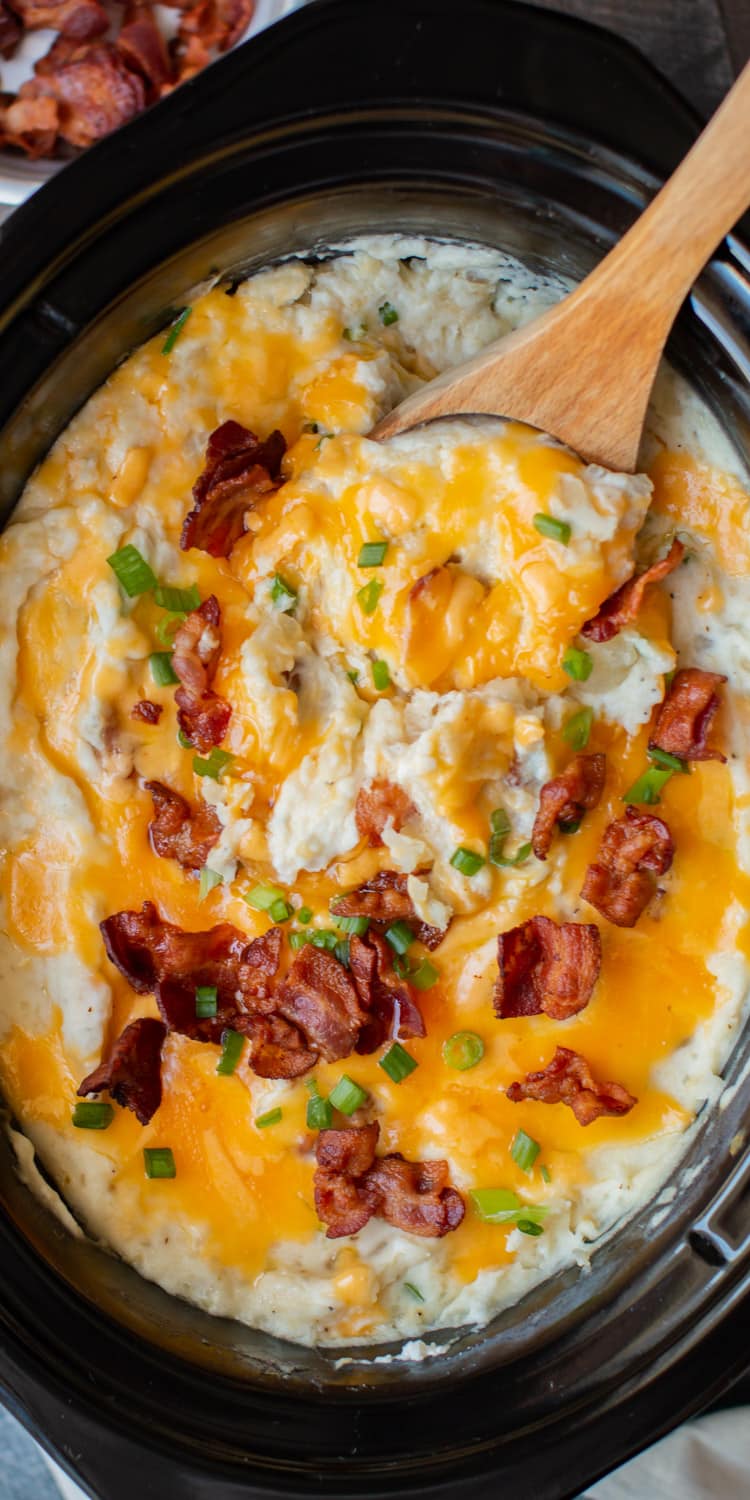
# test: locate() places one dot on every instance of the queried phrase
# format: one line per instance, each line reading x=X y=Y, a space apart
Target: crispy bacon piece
x=94 y=90
x=633 y=852
x=132 y=1072
x=352 y=1185
x=177 y=832
x=319 y=998
x=687 y=713
x=144 y=50
x=30 y=124
x=209 y=27
x=566 y=798
x=239 y=469
x=157 y=957
x=202 y=715
x=80 y=20
x=376 y=804
x=623 y=607
x=543 y=966
x=149 y=712
x=385 y=898
x=391 y=1008
x=277 y=1049
x=568 y=1079
x=11 y=31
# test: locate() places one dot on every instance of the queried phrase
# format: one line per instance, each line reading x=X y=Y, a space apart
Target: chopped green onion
x=372 y=554
x=495 y=1205
x=664 y=758
x=282 y=594
x=323 y=937
x=281 y=911
x=578 y=664
x=177 y=601
x=368 y=595
x=355 y=925
x=208 y=880
x=183 y=740
x=507 y=861
x=578 y=728
x=669 y=678
x=347 y=1095
x=648 y=787
x=341 y=952
x=159 y=1161
x=550 y=526
x=206 y=1001
x=524 y=1151
x=297 y=940
x=175 y=331
x=546 y=1174
x=463 y=1050
x=162 y=670
x=388 y=314
x=467 y=861
x=133 y=573
x=353 y=676
x=400 y=936
x=92 y=1116
x=304 y=915
x=571 y=825
x=216 y=762
x=168 y=626
x=499 y=821
x=381 y=676
x=397 y=1063
x=413 y=1291
x=232 y=1043
x=263 y=897
x=355 y=332
x=271 y=1117
x=422 y=975
x=319 y=1113
x=529 y=1226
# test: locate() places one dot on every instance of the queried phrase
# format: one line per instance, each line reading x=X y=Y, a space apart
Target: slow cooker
x=486 y=121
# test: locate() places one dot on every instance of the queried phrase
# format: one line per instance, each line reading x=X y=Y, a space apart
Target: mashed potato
x=442 y=668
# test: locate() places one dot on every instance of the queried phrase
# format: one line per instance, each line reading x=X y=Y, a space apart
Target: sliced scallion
x=183 y=740
x=529 y=1226
x=92 y=1116
x=232 y=1043
x=549 y=526
x=577 y=728
x=168 y=626
x=319 y=1113
x=304 y=915
x=213 y=764
x=665 y=758
x=397 y=1063
x=262 y=897
x=571 y=825
x=467 y=861
x=209 y=879
x=347 y=1095
x=206 y=1001
x=463 y=1050
x=648 y=787
x=355 y=926
x=368 y=595
x=131 y=570
x=176 y=330
x=413 y=1291
x=162 y=670
x=372 y=554
x=283 y=595
x=422 y=975
x=524 y=1151
x=280 y=911
x=545 y=1172
x=400 y=936
x=159 y=1161
x=381 y=676
x=341 y=952
x=177 y=600
x=578 y=664
x=388 y=314
x=271 y=1117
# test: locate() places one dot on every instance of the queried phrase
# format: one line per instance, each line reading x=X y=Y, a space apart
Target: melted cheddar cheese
x=475 y=608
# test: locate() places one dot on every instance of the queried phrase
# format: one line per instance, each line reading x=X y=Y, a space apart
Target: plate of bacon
x=72 y=71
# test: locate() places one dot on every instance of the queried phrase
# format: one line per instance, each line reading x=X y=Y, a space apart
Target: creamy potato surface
x=406 y=622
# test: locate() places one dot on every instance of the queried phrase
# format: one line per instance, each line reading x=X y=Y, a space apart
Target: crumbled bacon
x=80 y=20
x=142 y=45
x=352 y=1185
x=149 y=712
x=379 y=803
x=239 y=469
x=177 y=832
x=276 y=1048
x=157 y=957
x=202 y=715
x=94 y=90
x=543 y=966
x=633 y=852
x=320 y=998
x=10 y=31
x=132 y=1072
x=623 y=607
x=385 y=898
x=391 y=1009
x=686 y=715
x=30 y=124
x=566 y=798
x=208 y=27
x=568 y=1079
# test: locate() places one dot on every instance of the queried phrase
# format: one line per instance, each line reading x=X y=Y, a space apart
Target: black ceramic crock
x=474 y=119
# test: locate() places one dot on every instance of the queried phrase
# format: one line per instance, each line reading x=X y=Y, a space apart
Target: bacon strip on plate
x=565 y=798
x=633 y=852
x=141 y=44
x=132 y=1072
x=207 y=28
x=79 y=20
x=94 y=90
x=378 y=803
x=11 y=31
x=385 y=898
x=392 y=1010
x=546 y=966
x=202 y=715
x=623 y=607
x=177 y=832
x=568 y=1079
x=686 y=715
x=239 y=470
x=352 y=1186
x=30 y=124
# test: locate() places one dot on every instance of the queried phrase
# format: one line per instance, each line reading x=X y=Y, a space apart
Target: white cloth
x=705 y=1460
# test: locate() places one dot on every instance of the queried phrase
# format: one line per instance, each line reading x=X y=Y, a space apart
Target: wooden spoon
x=583 y=371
